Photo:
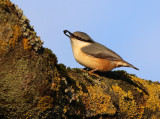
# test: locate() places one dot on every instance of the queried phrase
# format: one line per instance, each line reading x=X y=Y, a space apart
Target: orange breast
x=95 y=63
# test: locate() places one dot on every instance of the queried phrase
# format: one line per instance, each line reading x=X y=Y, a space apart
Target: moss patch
x=45 y=103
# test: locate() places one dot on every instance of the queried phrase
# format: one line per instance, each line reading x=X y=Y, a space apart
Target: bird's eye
x=79 y=38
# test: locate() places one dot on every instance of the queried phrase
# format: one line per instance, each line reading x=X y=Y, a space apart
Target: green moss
x=69 y=69
x=45 y=103
x=84 y=88
x=49 y=51
x=2 y=46
x=50 y=56
x=62 y=70
x=77 y=70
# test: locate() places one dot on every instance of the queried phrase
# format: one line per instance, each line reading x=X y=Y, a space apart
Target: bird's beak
x=69 y=33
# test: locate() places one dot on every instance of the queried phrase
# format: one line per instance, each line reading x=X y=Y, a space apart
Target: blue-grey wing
x=99 y=51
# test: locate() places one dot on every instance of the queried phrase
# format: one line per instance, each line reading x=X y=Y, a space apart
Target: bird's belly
x=94 y=63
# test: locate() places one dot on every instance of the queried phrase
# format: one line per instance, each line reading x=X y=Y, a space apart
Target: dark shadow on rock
x=121 y=75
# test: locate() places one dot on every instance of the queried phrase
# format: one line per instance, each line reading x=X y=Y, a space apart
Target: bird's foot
x=93 y=74
x=90 y=72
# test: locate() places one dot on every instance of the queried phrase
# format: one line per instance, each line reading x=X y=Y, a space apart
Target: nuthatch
x=94 y=55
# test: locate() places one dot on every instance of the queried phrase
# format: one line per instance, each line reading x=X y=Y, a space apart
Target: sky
x=131 y=28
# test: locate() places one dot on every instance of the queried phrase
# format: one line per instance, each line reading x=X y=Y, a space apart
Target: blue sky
x=131 y=28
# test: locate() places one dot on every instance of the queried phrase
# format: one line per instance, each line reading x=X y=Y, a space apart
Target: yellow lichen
x=130 y=95
x=6 y=2
x=45 y=103
x=97 y=101
x=153 y=100
x=126 y=106
x=56 y=84
x=27 y=115
x=26 y=44
x=66 y=108
x=130 y=107
x=16 y=35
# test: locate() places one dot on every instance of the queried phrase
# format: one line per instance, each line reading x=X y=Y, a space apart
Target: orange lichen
x=26 y=44
x=13 y=40
x=45 y=103
x=53 y=86
x=2 y=46
x=16 y=35
x=97 y=101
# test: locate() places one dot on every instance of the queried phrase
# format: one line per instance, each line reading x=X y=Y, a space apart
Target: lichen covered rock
x=16 y=27
x=33 y=85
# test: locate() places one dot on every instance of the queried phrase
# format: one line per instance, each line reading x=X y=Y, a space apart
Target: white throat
x=76 y=46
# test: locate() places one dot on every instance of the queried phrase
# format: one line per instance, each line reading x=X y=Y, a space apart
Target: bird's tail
x=130 y=65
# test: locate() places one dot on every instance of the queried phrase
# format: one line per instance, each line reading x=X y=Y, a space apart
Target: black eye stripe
x=81 y=39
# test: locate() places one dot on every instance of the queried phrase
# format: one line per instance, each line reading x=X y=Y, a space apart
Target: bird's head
x=78 y=36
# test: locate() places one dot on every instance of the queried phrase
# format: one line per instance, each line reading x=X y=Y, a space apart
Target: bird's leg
x=91 y=73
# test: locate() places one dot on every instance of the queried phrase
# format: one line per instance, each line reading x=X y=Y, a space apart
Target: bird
x=94 y=55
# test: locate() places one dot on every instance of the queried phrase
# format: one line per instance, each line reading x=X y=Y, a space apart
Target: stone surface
x=33 y=85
